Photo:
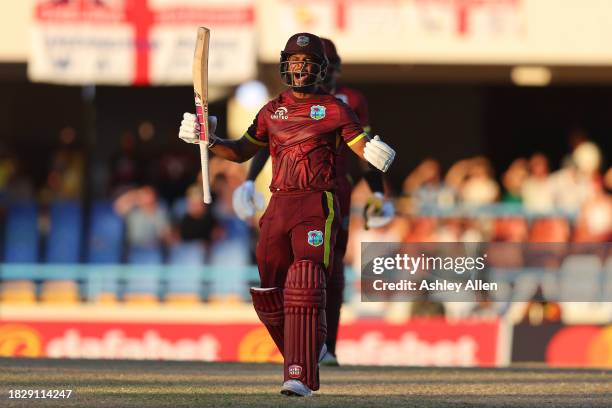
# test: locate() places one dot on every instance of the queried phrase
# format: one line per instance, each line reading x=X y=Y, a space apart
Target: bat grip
x=205 y=177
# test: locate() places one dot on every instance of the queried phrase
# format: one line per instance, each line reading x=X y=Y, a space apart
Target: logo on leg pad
x=315 y=238
x=295 y=371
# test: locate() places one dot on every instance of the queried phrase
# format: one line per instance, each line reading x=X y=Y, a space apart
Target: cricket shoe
x=295 y=388
x=328 y=359
x=323 y=353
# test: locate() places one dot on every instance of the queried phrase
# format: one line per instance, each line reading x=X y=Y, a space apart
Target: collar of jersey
x=319 y=96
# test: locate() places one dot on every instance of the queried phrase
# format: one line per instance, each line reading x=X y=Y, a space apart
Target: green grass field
x=120 y=384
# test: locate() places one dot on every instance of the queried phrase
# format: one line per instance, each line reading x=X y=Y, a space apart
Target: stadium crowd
x=158 y=198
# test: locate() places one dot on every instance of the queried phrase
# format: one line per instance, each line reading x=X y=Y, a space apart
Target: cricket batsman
x=301 y=128
x=379 y=212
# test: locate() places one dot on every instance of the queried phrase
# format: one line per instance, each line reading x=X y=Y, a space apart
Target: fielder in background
x=378 y=212
x=298 y=230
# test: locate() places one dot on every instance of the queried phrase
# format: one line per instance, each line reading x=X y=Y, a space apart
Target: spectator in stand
x=147 y=222
x=198 y=224
x=14 y=184
x=513 y=180
x=575 y=184
x=594 y=223
x=425 y=185
x=537 y=191
x=67 y=170
x=473 y=179
x=125 y=169
x=175 y=173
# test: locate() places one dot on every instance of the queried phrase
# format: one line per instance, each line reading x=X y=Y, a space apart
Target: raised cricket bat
x=200 y=93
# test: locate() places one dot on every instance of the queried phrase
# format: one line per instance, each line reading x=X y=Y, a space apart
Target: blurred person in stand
x=607 y=180
x=473 y=179
x=425 y=185
x=575 y=138
x=513 y=180
x=15 y=186
x=66 y=172
x=125 y=166
x=594 y=221
x=176 y=169
x=198 y=223
x=537 y=190
x=577 y=183
x=147 y=222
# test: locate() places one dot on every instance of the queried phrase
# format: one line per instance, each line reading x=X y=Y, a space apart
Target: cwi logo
x=295 y=371
x=281 y=113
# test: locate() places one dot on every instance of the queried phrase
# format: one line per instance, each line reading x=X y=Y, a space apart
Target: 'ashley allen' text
x=436 y=285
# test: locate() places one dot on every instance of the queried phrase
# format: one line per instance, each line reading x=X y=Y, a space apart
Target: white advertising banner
x=140 y=42
x=563 y=32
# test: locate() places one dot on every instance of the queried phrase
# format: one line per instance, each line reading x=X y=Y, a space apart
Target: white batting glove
x=379 y=154
x=190 y=129
x=246 y=201
x=378 y=212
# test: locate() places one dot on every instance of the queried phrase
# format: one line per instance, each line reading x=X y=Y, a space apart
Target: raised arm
x=238 y=151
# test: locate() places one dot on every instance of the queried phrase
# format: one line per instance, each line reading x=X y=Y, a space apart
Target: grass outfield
x=120 y=384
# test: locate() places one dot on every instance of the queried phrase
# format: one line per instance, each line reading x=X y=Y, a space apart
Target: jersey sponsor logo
x=303 y=40
x=315 y=238
x=317 y=112
x=295 y=371
x=342 y=97
x=281 y=113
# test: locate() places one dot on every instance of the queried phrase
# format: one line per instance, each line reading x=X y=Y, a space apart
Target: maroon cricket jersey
x=358 y=103
x=303 y=135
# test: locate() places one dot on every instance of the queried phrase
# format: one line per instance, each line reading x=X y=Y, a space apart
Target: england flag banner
x=140 y=42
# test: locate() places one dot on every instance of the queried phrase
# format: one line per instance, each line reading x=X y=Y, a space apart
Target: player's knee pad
x=305 y=322
x=268 y=304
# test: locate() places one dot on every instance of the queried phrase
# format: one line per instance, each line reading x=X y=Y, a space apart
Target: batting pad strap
x=309 y=298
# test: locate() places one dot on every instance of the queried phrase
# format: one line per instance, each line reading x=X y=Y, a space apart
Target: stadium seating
x=143 y=284
x=105 y=237
x=60 y=292
x=18 y=292
x=21 y=234
x=187 y=253
x=145 y=255
x=63 y=243
x=580 y=278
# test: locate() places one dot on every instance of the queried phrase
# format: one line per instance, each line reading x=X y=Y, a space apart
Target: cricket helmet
x=331 y=53
x=309 y=44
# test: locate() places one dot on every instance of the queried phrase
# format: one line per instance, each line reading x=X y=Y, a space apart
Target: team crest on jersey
x=281 y=113
x=342 y=97
x=317 y=112
x=315 y=238
x=295 y=371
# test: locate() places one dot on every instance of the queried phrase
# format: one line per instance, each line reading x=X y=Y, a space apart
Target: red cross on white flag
x=139 y=42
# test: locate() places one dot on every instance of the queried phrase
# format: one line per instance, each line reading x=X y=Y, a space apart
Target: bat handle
x=205 y=177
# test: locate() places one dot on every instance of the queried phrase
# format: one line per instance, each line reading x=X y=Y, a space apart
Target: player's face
x=302 y=68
